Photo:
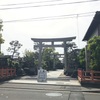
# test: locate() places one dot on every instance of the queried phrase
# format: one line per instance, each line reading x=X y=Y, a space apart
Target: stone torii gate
x=39 y=44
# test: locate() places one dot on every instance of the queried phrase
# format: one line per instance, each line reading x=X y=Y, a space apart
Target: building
x=94 y=28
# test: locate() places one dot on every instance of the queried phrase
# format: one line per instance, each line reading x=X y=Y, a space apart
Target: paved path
x=71 y=82
x=50 y=74
x=53 y=78
x=54 y=74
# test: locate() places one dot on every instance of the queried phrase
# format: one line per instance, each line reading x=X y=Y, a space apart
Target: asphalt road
x=9 y=91
x=58 y=91
x=24 y=92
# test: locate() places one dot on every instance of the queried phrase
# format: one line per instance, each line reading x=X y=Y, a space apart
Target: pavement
x=48 y=82
x=54 y=78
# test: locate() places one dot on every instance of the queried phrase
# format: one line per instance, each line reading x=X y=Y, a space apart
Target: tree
x=15 y=46
x=30 y=62
x=94 y=49
x=49 y=58
x=81 y=58
x=1 y=25
x=71 y=46
x=1 y=39
x=73 y=60
x=28 y=58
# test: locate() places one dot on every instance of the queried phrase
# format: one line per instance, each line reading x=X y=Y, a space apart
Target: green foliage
x=31 y=58
x=1 y=54
x=13 y=63
x=1 y=39
x=30 y=62
x=46 y=55
x=94 y=48
x=9 y=61
x=28 y=59
x=71 y=46
x=1 y=25
x=81 y=58
x=49 y=57
x=14 y=47
x=1 y=42
x=73 y=60
x=44 y=65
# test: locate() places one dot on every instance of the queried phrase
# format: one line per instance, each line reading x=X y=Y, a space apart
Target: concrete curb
x=40 y=83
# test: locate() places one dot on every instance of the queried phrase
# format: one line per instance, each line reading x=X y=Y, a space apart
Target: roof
x=52 y=39
x=95 y=22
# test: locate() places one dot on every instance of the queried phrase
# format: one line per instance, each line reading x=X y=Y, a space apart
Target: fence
x=89 y=76
x=7 y=73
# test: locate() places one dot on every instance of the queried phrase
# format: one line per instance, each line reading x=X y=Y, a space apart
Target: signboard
x=42 y=75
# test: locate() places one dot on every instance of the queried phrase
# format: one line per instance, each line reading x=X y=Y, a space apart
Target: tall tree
x=30 y=62
x=46 y=58
x=14 y=47
x=28 y=58
x=94 y=49
x=49 y=58
x=1 y=39
x=81 y=58
x=73 y=61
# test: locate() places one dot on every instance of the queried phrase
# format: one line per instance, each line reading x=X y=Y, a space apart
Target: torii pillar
x=40 y=55
x=65 y=56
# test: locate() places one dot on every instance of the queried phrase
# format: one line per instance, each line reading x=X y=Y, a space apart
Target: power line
x=52 y=17
x=48 y=5
x=30 y=3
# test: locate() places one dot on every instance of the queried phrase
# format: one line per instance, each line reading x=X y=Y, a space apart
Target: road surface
x=25 y=91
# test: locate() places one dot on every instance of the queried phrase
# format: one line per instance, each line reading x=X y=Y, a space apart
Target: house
x=94 y=28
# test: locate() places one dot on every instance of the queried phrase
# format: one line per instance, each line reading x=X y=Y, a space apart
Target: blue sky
x=50 y=26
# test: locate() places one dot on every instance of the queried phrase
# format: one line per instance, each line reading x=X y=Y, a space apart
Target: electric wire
x=30 y=3
x=45 y=5
x=52 y=17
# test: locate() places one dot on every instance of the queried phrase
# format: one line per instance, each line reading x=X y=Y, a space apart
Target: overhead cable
x=52 y=17
x=30 y=3
x=45 y=5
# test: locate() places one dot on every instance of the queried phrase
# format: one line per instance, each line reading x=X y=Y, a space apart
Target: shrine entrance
x=40 y=43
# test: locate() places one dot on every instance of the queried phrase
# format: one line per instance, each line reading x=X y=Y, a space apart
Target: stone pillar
x=65 y=56
x=40 y=55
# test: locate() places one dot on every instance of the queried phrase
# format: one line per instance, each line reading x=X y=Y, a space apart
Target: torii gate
x=40 y=45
